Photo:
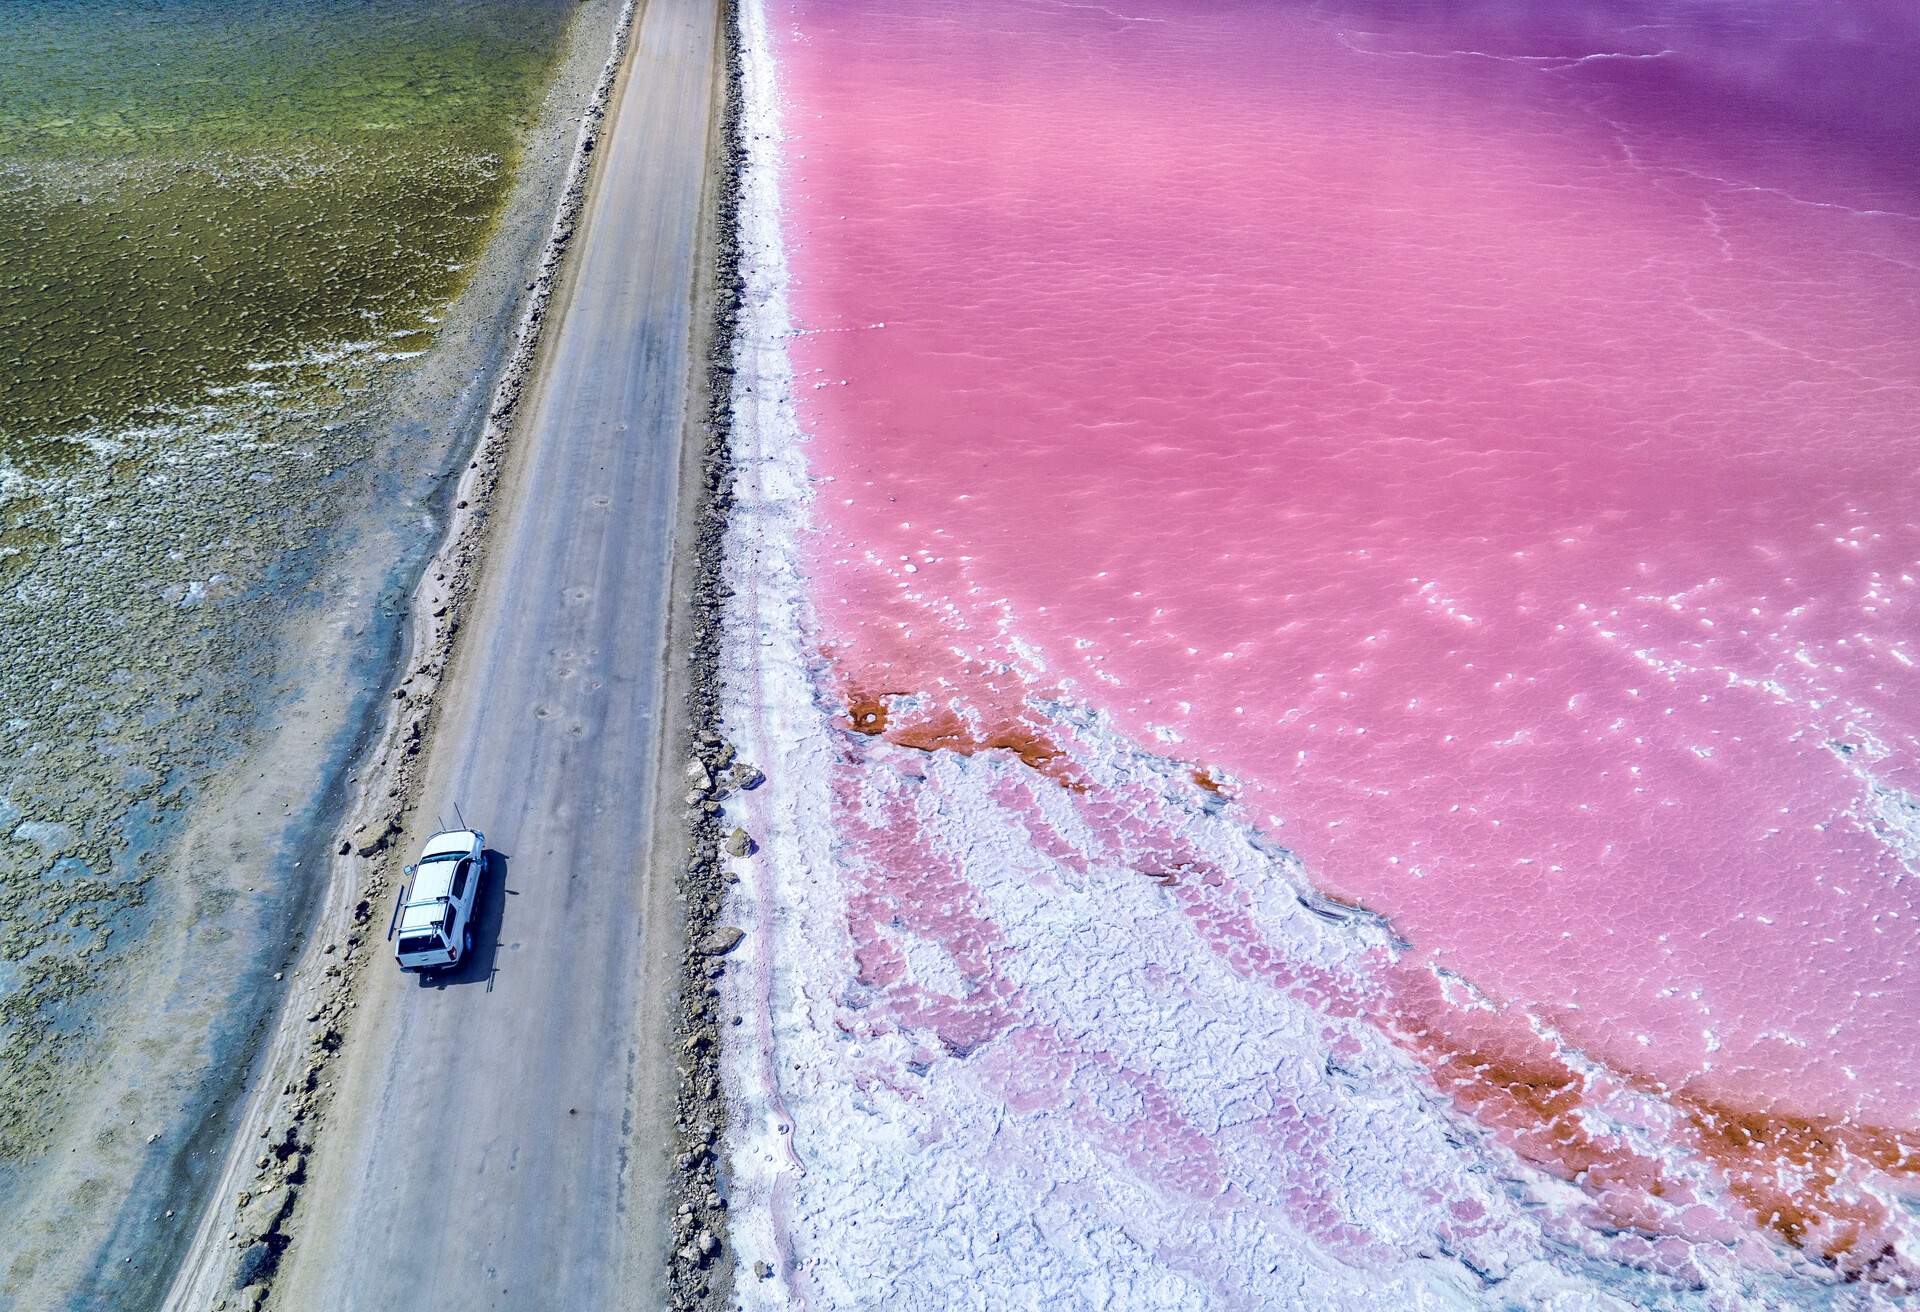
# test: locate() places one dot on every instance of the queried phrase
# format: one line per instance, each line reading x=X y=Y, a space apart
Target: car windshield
x=428 y=942
x=441 y=856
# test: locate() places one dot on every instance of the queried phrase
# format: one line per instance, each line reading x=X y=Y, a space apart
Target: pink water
x=1485 y=436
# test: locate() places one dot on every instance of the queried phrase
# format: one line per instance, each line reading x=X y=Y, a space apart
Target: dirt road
x=499 y=1138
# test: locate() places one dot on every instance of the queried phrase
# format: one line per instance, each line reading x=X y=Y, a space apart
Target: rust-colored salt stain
x=1207 y=780
x=945 y=731
x=868 y=715
x=1533 y=1102
x=1787 y=1171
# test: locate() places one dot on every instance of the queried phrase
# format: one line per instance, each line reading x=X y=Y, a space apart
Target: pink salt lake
x=1485 y=434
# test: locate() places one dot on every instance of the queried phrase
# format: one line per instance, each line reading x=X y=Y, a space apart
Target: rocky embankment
x=700 y=1269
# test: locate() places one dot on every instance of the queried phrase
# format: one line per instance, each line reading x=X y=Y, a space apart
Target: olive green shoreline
x=161 y=858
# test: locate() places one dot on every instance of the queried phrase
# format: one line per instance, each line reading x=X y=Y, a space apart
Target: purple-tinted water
x=1480 y=440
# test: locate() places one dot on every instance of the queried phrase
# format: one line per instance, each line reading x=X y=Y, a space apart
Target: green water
x=197 y=187
x=227 y=227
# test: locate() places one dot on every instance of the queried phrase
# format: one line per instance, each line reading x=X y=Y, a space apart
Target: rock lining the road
x=700 y=1271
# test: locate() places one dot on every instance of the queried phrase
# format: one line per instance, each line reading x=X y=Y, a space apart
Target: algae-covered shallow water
x=207 y=196
x=230 y=227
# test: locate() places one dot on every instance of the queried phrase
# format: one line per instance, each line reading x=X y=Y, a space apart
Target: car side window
x=460 y=880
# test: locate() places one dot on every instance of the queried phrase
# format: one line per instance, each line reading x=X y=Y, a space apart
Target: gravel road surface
x=500 y=1135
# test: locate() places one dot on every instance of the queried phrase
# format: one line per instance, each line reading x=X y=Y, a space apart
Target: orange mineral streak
x=1798 y=1177
x=943 y=730
x=1531 y=1105
x=868 y=715
x=1793 y=1172
x=1205 y=778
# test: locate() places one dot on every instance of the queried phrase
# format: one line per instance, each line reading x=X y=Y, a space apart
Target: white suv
x=434 y=919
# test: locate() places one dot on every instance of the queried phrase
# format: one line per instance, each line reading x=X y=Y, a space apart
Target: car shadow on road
x=491 y=910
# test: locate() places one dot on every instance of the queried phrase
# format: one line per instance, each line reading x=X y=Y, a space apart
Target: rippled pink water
x=1486 y=434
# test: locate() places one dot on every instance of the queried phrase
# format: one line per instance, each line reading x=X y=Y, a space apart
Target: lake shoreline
x=207 y=982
